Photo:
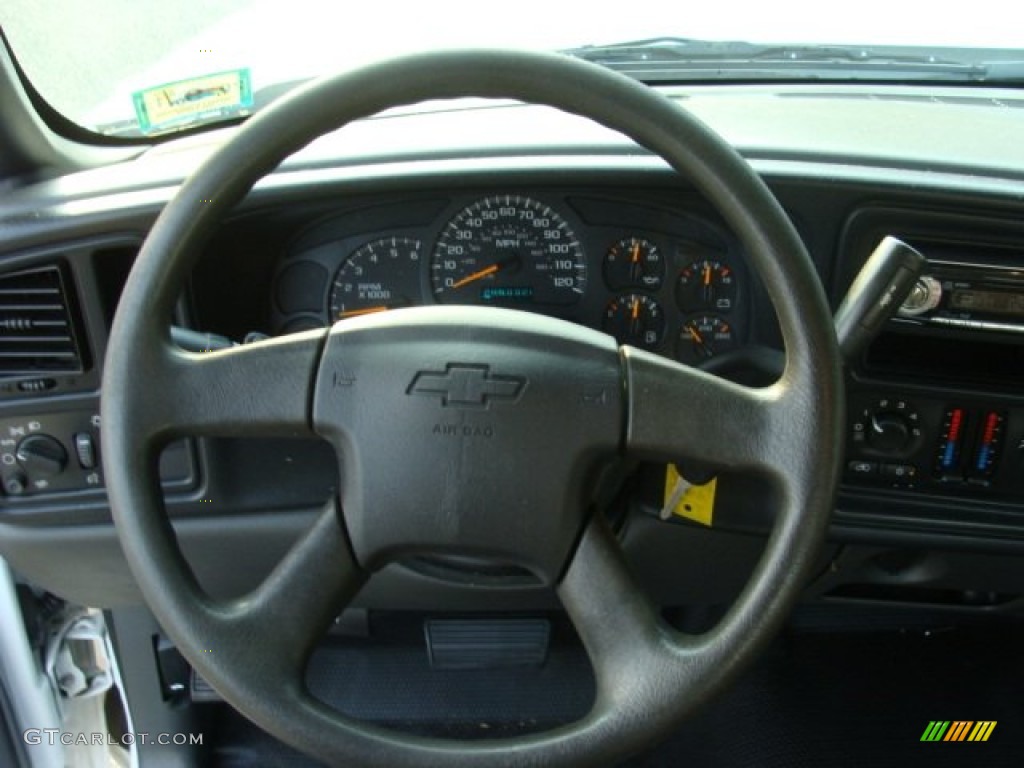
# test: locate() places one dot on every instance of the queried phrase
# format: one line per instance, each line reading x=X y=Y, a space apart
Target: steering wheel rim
x=648 y=676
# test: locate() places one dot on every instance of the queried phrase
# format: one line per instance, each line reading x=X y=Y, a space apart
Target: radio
x=974 y=297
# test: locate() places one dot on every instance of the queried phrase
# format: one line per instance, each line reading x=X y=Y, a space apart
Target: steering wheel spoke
x=260 y=389
x=676 y=412
x=618 y=624
x=294 y=606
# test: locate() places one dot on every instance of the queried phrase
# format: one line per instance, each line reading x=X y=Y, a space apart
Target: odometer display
x=510 y=251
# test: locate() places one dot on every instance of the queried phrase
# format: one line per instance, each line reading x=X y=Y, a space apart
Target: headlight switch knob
x=42 y=455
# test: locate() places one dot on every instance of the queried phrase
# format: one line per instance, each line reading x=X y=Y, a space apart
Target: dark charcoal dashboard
x=654 y=277
x=934 y=409
x=656 y=269
x=933 y=491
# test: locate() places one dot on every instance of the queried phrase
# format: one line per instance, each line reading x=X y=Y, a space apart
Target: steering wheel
x=498 y=420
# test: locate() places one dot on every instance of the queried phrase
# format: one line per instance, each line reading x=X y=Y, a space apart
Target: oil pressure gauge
x=634 y=262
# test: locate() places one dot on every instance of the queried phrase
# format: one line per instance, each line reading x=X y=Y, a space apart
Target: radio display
x=991 y=302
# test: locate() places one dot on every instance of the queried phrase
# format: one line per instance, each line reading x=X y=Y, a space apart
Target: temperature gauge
x=635 y=319
x=706 y=284
x=634 y=263
x=702 y=337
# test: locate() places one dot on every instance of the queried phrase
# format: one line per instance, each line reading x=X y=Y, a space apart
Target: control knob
x=41 y=456
x=889 y=432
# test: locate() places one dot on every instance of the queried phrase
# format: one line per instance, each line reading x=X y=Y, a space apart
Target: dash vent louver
x=37 y=328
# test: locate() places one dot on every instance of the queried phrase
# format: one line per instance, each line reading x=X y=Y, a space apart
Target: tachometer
x=382 y=274
x=508 y=250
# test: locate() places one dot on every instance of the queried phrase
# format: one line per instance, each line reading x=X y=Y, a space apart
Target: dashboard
x=581 y=225
x=653 y=277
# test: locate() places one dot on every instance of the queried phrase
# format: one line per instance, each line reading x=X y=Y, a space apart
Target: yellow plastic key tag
x=682 y=498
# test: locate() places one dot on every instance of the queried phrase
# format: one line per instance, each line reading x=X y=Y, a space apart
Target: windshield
x=136 y=68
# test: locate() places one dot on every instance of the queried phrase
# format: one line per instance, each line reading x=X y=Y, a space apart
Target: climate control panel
x=938 y=444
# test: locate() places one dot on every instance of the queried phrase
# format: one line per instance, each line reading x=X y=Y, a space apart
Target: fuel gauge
x=635 y=319
x=706 y=284
x=702 y=337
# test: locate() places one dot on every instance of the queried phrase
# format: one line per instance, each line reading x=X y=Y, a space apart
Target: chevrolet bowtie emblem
x=466 y=385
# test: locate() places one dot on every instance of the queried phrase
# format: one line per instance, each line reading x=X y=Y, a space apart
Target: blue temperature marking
x=983 y=455
x=948 y=456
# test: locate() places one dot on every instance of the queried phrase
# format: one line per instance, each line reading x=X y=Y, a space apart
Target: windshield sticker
x=198 y=99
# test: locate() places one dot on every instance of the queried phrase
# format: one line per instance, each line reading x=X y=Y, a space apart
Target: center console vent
x=39 y=329
x=930 y=357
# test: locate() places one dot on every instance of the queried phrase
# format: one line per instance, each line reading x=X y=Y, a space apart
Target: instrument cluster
x=653 y=277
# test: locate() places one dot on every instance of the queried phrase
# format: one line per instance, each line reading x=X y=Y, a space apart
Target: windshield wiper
x=674 y=58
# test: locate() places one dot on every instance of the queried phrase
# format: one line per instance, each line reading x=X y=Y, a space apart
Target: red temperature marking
x=955 y=422
x=991 y=424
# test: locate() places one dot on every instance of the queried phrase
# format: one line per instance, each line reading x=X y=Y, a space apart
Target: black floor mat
x=816 y=699
x=862 y=700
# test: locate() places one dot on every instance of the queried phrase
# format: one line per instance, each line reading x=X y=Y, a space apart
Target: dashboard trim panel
x=821 y=190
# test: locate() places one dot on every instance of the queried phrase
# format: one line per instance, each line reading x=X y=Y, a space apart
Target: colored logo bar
x=958 y=730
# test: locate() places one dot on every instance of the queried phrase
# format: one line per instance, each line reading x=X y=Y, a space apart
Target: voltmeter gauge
x=634 y=262
x=706 y=284
x=702 y=337
x=635 y=319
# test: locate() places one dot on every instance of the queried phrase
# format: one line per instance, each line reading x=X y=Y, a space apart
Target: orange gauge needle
x=634 y=255
x=707 y=274
x=694 y=335
x=480 y=275
x=364 y=311
x=636 y=309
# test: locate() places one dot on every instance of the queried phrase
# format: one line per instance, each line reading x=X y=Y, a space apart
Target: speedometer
x=508 y=250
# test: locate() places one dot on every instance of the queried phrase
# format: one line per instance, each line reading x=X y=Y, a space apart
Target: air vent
x=37 y=334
